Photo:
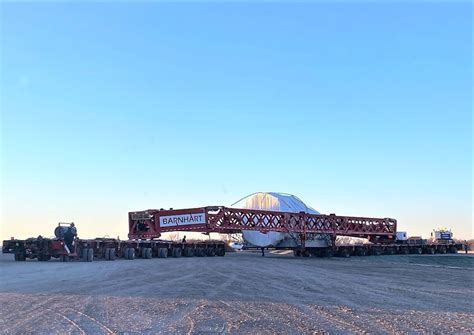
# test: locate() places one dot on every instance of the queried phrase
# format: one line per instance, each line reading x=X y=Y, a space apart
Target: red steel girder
x=152 y=223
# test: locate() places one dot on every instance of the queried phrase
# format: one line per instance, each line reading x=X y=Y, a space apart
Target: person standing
x=69 y=237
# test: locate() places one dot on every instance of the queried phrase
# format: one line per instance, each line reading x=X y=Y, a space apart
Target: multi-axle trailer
x=109 y=249
x=304 y=233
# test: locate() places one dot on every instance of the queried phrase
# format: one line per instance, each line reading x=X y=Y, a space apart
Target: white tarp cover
x=273 y=201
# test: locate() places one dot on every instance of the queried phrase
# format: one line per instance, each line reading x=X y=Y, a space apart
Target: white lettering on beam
x=182 y=220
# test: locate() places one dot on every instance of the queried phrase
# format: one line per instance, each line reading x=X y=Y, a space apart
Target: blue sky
x=357 y=108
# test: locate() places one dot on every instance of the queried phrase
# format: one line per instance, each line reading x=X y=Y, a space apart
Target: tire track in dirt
x=95 y=321
x=74 y=324
x=28 y=315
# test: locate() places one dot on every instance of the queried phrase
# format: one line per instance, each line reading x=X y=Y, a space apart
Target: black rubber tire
x=188 y=252
x=362 y=252
x=389 y=251
x=344 y=253
x=107 y=254
x=143 y=253
x=112 y=254
x=164 y=252
x=125 y=253
x=211 y=252
x=44 y=258
x=297 y=253
x=84 y=255
x=130 y=254
x=148 y=253
x=328 y=253
x=176 y=252
x=221 y=252
x=64 y=258
x=376 y=252
x=200 y=252
x=404 y=251
x=20 y=257
x=90 y=254
x=430 y=251
x=319 y=252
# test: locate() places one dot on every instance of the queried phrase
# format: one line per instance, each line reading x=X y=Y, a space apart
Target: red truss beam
x=217 y=219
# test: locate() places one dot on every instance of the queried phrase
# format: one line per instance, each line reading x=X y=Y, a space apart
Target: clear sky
x=359 y=109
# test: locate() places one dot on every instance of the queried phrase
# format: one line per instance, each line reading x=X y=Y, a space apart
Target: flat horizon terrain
x=240 y=293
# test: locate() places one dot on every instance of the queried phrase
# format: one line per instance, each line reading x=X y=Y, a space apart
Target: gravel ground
x=240 y=293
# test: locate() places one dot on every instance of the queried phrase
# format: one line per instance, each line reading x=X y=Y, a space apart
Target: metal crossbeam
x=152 y=223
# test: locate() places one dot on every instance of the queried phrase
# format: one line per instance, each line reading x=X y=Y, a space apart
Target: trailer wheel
x=360 y=251
x=442 y=250
x=389 y=251
x=211 y=252
x=20 y=257
x=112 y=254
x=344 y=252
x=199 y=252
x=64 y=258
x=328 y=252
x=125 y=253
x=148 y=253
x=44 y=258
x=376 y=251
x=430 y=251
x=90 y=254
x=418 y=251
x=188 y=252
x=404 y=250
x=221 y=252
x=130 y=254
x=85 y=253
x=109 y=254
x=176 y=252
x=163 y=253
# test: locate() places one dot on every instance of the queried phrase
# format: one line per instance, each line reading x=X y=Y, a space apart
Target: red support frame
x=218 y=219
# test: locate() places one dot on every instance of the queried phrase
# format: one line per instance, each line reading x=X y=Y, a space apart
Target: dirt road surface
x=240 y=293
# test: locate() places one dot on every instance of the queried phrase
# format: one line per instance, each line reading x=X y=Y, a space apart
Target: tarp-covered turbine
x=271 y=201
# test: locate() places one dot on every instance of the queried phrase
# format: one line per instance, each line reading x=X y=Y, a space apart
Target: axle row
x=376 y=250
x=109 y=249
